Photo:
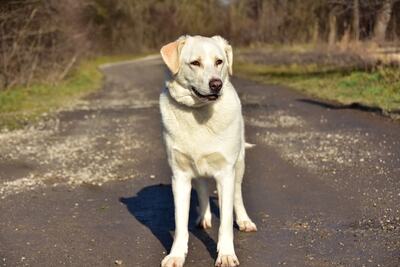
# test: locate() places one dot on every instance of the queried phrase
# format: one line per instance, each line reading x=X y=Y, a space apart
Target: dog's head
x=200 y=66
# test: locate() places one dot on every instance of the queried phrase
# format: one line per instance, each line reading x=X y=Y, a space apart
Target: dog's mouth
x=210 y=97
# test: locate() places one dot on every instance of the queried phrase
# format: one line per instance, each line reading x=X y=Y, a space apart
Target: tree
x=356 y=20
x=382 y=20
x=332 y=22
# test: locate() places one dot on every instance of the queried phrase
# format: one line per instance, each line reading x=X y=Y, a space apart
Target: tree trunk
x=332 y=27
x=315 y=32
x=394 y=23
x=356 y=20
x=382 y=21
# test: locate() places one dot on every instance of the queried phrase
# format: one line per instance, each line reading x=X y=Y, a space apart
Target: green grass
x=20 y=105
x=379 y=88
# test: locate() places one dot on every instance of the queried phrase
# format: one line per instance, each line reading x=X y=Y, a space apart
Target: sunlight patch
x=278 y=119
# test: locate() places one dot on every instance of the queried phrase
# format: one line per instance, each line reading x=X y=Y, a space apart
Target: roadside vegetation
x=43 y=40
x=344 y=75
x=22 y=104
x=379 y=88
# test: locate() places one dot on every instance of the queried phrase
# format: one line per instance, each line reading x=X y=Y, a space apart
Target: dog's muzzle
x=209 y=97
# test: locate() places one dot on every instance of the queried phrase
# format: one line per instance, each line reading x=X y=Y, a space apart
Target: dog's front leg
x=181 y=187
x=226 y=189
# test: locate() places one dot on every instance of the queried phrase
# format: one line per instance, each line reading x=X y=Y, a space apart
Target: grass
x=378 y=89
x=20 y=105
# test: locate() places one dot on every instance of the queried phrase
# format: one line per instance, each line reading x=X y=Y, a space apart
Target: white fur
x=203 y=138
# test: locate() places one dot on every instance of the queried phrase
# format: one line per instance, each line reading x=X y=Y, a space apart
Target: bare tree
x=332 y=21
x=40 y=39
x=356 y=20
x=382 y=20
x=36 y=41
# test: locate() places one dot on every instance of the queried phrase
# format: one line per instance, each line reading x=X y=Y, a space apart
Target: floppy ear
x=228 y=51
x=170 y=54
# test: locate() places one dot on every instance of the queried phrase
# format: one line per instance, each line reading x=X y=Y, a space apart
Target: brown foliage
x=41 y=39
x=37 y=39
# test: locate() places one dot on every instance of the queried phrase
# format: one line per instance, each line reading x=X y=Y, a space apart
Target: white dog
x=204 y=135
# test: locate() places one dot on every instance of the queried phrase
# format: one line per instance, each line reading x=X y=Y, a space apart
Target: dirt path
x=91 y=187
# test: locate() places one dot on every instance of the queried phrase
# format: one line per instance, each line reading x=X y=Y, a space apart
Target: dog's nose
x=215 y=85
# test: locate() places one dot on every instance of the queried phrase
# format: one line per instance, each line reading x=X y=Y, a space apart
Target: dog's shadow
x=153 y=206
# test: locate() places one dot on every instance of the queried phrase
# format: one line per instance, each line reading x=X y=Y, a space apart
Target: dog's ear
x=228 y=51
x=170 y=54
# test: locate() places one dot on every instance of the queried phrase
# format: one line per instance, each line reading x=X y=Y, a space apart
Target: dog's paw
x=204 y=223
x=247 y=226
x=172 y=261
x=227 y=261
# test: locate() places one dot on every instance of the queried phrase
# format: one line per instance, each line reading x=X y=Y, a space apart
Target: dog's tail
x=248 y=145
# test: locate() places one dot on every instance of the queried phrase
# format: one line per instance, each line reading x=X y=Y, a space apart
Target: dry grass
x=346 y=78
x=21 y=105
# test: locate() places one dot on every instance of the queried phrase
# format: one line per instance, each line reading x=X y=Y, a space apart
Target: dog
x=203 y=131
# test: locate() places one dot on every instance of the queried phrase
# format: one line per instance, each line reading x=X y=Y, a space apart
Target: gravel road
x=90 y=186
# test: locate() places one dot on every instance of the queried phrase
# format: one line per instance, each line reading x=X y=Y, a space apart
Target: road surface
x=90 y=186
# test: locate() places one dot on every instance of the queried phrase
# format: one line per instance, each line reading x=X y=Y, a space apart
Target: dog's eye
x=218 y=62
x=195 y=63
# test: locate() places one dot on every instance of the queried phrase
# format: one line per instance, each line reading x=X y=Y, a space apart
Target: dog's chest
x=202 y=150
x=202 y=141
x=201 y=165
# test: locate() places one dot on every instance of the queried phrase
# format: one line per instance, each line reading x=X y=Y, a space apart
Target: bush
x=38 y=40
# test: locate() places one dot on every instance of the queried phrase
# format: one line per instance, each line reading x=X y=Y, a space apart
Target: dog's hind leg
x=204 y=219
x=242 y=219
